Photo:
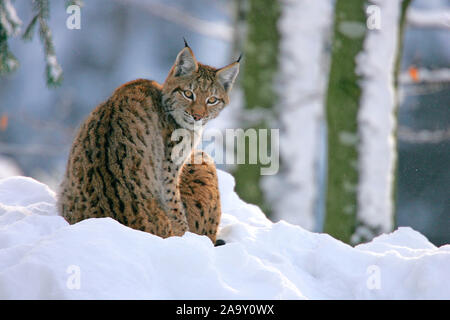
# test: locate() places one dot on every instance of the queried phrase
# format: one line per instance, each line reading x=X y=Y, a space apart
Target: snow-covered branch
x=175 y=15
x=9 y=26
x=9 y=19
x=33 y=149
x=428 y=18
x=424 y=75
x=409 y=135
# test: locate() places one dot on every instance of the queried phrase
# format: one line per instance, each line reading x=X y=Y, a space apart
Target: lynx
x=121 y=164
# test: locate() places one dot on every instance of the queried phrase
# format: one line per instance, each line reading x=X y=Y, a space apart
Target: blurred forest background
x=360 y=95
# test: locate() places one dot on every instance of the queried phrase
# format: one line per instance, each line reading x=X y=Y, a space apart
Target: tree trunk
x=377 y=122
x=361 y=115
x=341 y=111
x=259 y=68
x=295 y=192
x=401 y=31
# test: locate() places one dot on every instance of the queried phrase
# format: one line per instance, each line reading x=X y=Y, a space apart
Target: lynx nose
x=197 y=116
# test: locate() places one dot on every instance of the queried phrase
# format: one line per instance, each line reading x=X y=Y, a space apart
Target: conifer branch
x=10 y=25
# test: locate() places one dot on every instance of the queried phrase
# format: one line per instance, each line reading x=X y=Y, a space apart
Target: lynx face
x=194 y=93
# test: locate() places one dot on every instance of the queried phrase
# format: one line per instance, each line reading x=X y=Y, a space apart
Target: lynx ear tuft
x=185 y=63
x=185 y=43
x=227 y=75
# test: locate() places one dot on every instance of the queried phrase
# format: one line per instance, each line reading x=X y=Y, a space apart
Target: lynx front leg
x=175 y=211
x=200 y=195
x=172 y=201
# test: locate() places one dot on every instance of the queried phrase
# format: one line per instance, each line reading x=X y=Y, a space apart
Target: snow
x=301 y=88
x=54 y=68
x=429 y=18
x=43 y=257
x=376 y=124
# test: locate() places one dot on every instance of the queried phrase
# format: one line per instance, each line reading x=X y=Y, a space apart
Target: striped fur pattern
x=121 y=166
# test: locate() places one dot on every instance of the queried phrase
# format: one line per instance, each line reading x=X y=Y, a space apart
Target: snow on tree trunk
x=304 y=28
x=361 y=111
x=377 y=123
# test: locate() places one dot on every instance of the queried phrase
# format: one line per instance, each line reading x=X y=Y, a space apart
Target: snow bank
x=41 y=256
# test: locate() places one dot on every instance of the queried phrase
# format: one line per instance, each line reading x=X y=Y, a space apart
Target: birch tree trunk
x=379 y=67
x=361 y=120
x=295 y=192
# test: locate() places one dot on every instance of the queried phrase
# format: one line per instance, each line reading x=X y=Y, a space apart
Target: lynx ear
x=227 y=75
x=185 y=63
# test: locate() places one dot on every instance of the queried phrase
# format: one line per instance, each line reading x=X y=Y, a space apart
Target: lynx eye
x=212 y=101
x=188 y=94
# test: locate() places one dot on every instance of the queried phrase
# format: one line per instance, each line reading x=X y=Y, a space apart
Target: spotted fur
x=121 y=163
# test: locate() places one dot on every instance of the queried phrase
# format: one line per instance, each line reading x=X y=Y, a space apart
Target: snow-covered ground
x=41 y=256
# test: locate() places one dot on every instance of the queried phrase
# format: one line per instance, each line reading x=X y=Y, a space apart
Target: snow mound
x=43 y=257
